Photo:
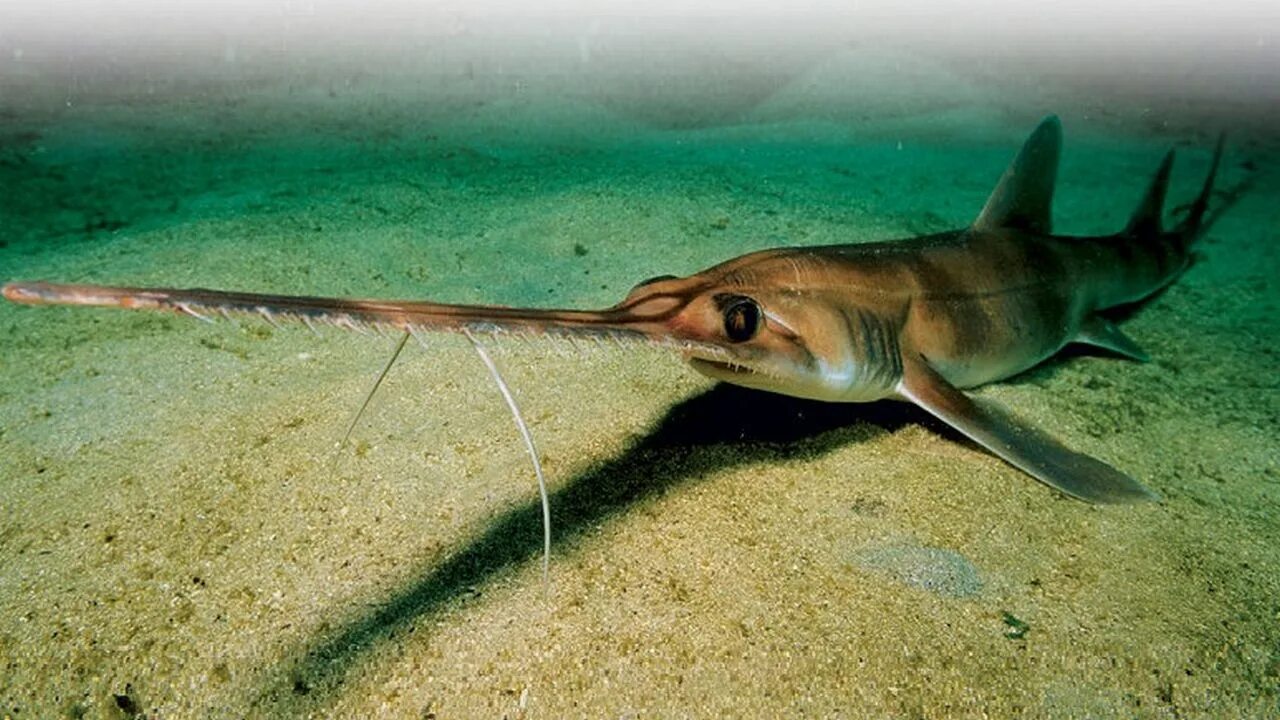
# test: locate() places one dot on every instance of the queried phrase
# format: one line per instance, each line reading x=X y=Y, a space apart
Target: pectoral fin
x=1033 y=452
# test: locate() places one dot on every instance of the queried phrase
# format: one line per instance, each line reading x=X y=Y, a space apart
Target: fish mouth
x=716 y=368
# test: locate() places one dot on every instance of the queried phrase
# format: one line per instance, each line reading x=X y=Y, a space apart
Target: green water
x=179 y=539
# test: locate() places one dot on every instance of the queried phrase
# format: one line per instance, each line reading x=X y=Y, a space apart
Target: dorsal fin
x=1146 y=219
x=1024 y=195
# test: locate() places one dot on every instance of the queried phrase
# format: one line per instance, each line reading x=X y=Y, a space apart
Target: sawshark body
x=918 y=319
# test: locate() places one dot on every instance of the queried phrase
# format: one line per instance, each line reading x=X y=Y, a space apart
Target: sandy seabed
x=179 y=538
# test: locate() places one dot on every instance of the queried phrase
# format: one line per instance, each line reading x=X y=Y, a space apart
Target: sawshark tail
x=1194 y=226
x=619 y=324
x=1146 y=220
x=1153 y=256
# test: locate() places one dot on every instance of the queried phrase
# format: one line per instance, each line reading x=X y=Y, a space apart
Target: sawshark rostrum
x=919 y=319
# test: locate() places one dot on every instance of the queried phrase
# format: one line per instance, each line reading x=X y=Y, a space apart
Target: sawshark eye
x=741 y=319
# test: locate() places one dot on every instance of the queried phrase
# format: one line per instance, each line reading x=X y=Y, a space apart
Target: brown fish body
x=913 y=319
x=981 y=306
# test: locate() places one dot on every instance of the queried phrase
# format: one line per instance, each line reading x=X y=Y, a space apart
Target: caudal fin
x=1193 y=225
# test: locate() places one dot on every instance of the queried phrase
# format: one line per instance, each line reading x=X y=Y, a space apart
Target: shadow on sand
x=723 y=427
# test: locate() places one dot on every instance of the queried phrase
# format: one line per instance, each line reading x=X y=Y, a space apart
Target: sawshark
x=920 y=319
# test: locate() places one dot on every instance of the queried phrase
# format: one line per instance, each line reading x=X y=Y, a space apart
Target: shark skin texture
x=918 y=319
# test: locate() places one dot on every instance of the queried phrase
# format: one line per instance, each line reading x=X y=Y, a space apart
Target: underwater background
x=179 y=536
